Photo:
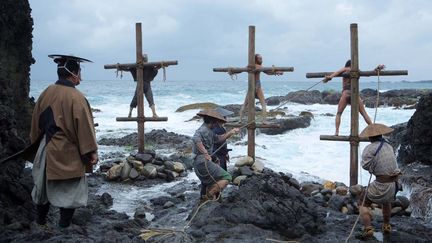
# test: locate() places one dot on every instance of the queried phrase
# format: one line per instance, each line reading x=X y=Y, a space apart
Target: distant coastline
x=421 y=81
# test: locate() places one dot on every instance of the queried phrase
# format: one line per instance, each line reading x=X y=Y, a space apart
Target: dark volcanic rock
x=160 y=139
x=16 y=209
x=265 y=201
x=396 y=98
x=397 y=135
x=304 y=97
x=417 y=142
x=287 y=124
x=274 y=100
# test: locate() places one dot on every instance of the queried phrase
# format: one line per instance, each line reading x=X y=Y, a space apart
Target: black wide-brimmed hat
x=58 y=58
x=213 y=114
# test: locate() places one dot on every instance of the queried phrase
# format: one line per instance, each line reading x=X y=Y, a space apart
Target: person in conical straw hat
x=379 y=159
x=211 y=175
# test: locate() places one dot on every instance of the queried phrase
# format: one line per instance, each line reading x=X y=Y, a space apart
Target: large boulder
x=266 y=201
x=287 y=124
x=416 y=145
x=16 y=24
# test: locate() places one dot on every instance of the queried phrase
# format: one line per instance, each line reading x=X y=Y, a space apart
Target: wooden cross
x=355 y=74
x=251 y=70
x=139 y=65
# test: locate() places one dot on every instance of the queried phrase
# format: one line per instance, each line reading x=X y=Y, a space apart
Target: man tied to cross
x=346 y=94
x=149 y=73
x=259 y=94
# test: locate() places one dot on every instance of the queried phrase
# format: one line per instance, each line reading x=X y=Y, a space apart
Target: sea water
x=299 y=151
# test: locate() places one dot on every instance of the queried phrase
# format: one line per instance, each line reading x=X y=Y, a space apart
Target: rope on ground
x=283 y=103
x=364 y=198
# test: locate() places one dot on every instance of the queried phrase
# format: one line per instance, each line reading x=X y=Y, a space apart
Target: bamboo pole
x=251 y=93
x=354 y=105
x=140 y=84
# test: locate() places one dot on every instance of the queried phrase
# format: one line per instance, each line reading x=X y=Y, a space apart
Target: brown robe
x=63 y=114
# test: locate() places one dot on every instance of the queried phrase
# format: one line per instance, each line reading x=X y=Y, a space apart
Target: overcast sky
x=310 y=36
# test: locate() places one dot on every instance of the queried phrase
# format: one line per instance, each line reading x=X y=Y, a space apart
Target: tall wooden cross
x=251 y=69
x=355 y=74
x=139 y=65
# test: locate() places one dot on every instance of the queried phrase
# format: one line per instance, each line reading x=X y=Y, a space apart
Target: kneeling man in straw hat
x=379 y=159
x=211 y=175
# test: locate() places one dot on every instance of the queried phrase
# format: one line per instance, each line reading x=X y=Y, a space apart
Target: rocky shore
x=406 y=98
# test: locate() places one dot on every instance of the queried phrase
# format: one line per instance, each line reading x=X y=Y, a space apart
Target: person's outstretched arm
x=337 y=73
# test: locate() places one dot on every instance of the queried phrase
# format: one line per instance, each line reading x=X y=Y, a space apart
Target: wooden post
x=251 y=93
x=354 y=105
x=140 y=85
x=354 y=76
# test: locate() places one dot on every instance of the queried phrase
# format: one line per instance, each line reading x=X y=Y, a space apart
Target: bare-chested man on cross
x=346 y=95
x=258 y=89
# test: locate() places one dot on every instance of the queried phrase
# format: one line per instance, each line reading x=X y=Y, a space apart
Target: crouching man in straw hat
x=379 y=159
x=211 y=175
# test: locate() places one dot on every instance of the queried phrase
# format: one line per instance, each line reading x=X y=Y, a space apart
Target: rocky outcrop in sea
x=397 y=98
x=414 y=140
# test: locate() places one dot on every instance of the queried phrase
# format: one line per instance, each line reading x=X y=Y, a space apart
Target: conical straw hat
x=375 y=129
x=212 y=113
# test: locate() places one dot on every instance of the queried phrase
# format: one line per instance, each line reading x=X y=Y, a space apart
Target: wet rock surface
x=416 y=144
x=16 y=209
x=268 y=202
x=265 y=206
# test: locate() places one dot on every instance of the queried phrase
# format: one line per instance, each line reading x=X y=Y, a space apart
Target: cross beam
x=251 y=69
x=361 y=73
x=139 y=65
x=354 y=76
